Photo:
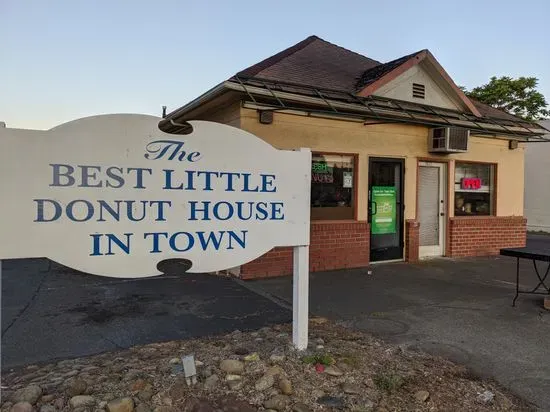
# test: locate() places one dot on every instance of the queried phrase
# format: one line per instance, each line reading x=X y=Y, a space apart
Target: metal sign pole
x=300 y=300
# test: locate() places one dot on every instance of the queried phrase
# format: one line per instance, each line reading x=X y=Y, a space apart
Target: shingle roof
x=318 y=63
x=490 y=111
x=314 y=62
x=373 y=74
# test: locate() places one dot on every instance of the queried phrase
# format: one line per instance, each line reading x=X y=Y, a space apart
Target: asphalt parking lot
x=51 y=312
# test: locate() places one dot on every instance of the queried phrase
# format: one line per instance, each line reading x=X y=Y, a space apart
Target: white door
x=431 y=208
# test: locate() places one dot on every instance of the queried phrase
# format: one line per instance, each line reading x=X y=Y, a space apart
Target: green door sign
x=384 y=205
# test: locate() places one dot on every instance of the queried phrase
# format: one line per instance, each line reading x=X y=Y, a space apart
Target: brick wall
x=411 y=241
x=480 y=236
x=334 y=245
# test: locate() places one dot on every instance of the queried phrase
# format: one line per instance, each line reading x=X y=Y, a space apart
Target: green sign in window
x=384 y=206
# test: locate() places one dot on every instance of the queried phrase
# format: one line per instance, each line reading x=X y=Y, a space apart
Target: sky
x=65 y=59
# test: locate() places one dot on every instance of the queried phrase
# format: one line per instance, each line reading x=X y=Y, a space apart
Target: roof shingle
x=314 y=62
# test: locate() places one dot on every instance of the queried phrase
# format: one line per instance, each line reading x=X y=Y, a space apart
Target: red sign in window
x=472 y=183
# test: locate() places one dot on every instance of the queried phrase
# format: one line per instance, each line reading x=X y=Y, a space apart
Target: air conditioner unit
x=448 y=140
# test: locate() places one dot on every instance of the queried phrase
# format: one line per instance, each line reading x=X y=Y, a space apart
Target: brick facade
x=411 y=240
x=481 y=236
x=334 y=245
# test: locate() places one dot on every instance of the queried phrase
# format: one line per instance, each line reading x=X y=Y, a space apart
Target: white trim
x=439 y=249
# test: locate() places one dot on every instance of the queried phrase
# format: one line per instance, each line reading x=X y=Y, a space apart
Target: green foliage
x=516 y=96
x=388 y=382
x=319 y=358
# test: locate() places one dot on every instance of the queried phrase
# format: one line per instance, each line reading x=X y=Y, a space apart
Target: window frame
x=493 y=211
x=355 y=200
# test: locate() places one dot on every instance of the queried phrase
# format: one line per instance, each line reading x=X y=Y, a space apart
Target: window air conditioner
x=448 y=140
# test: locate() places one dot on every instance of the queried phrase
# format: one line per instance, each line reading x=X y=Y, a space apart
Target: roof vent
x=419 y=90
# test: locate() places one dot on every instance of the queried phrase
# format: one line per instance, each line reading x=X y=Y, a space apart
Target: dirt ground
x=255 y=371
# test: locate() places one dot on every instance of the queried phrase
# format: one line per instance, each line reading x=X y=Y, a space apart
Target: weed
x=388 y=382
x=319 y=358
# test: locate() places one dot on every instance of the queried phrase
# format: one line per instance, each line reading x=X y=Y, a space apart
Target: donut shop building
x=404 y=165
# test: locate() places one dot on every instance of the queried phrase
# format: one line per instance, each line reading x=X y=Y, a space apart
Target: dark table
x=533 y=255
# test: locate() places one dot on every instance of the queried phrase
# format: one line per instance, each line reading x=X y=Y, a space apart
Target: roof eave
x=208 y=96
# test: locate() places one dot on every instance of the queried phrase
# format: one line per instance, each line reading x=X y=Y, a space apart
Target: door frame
x=401 y=221
x=443 y=165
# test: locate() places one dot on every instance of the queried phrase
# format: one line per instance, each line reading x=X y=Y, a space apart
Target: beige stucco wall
x=408 y=142
x=225 y=113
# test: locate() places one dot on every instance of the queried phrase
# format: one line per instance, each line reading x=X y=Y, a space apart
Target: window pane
x=474 y=189
x=332 y=187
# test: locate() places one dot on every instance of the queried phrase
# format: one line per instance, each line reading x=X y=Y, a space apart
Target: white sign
x=348 y=180
x=112 y=195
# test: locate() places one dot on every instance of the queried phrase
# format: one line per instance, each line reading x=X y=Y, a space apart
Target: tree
x=516 y=96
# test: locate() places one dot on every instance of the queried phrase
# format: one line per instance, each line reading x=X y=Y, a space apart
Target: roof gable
x=381 y=79
x=314 y=62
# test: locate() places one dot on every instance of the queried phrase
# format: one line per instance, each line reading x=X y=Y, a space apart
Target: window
x=332 y=191
x=474 y=189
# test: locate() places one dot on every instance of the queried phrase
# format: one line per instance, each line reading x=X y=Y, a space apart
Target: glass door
x=386 y=208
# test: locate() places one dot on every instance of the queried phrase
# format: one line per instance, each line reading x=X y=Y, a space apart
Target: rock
x=142 y=407
x=232 y=366
x=318 y=321
x=319 y=341
x=234 y=381
x=235 y=405
x=165 y=408
x=59 y=403
x=230 y=378
x=351 y=389
x=207 y=371
x=76 y=387
x=369 y=383
x=174 y=361
x=47 y=398
x=80 y=401
x=319 y=347
x=211 y=382
x=317 y=393
x=301 y=407
x=486 y=397
x=47 y=408
x=253 y=357
x=422 y=396
x=331 y=401
x=276 y=357
x=275 y=371
x=138 y=385
x=21 y=407
x=121 y=405
x=333 y=371
x=241 y=351
x=102 y=404
x=70 y=374
x=29 y=394
x=277 y=402
x=285 y=386
x=146 y=394
x=198 y=405
x=265 y=382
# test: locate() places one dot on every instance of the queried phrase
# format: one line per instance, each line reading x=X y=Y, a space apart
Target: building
x=405 y=166
x=537 y=183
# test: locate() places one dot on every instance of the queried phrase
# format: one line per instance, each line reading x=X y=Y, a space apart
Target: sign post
x=112 y=195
